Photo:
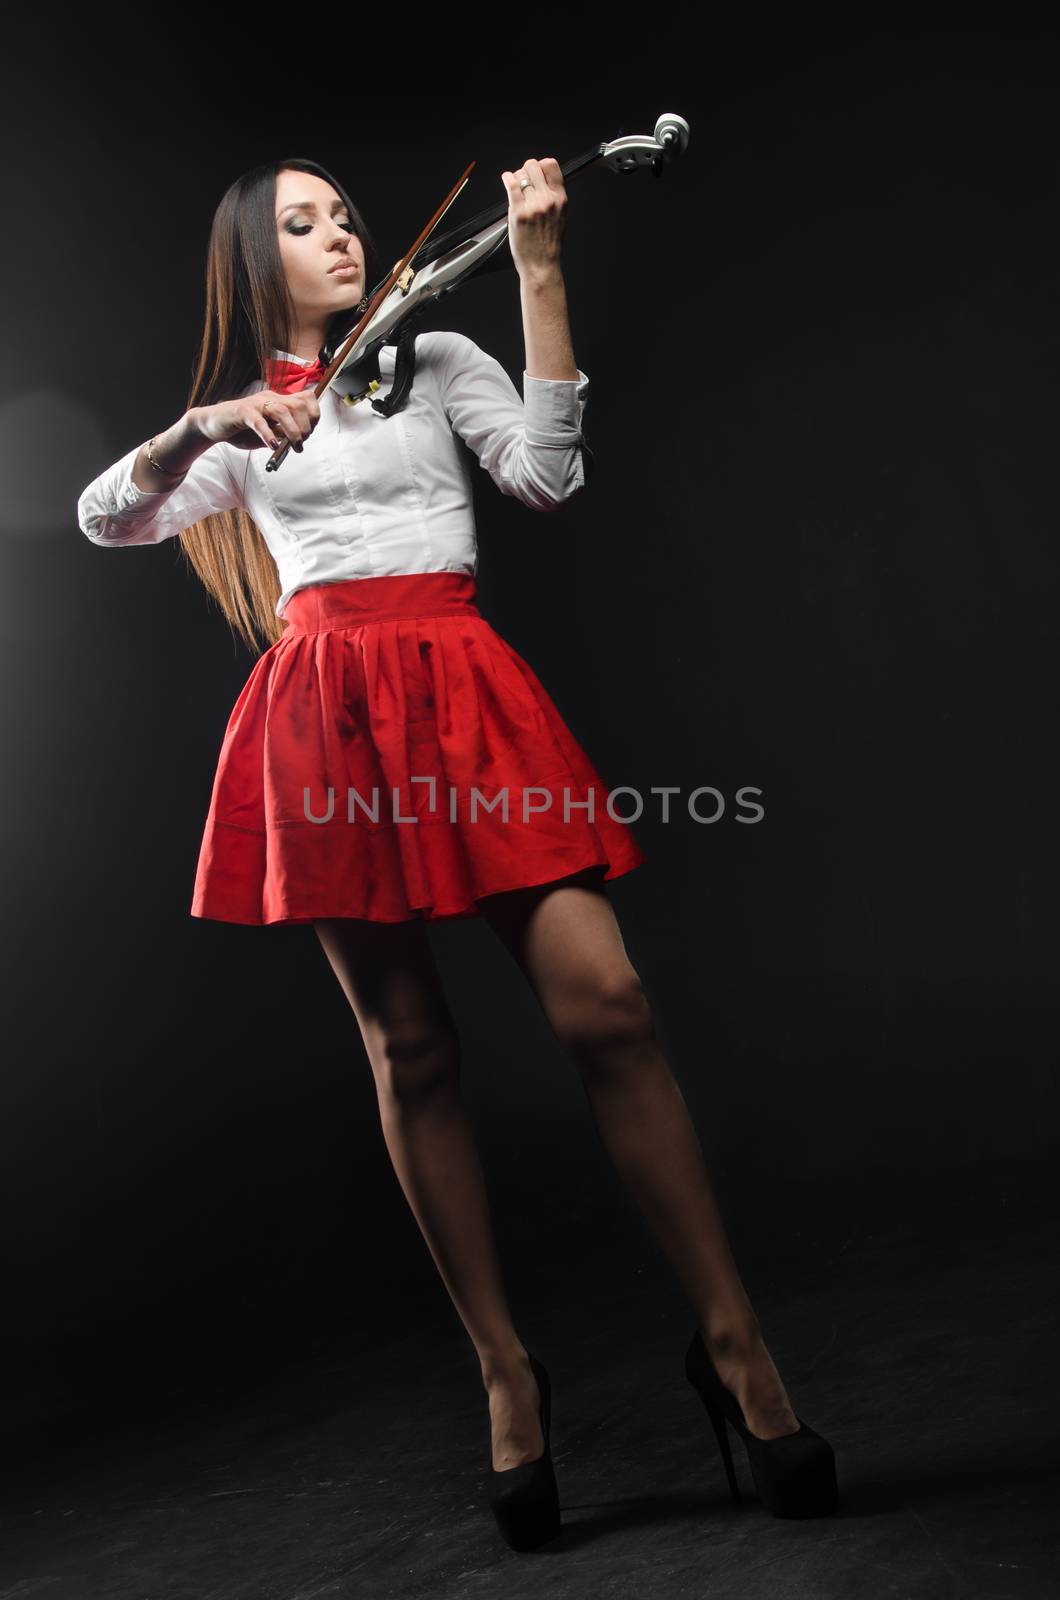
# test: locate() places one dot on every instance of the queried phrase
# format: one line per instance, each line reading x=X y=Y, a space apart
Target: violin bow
x=380 y=294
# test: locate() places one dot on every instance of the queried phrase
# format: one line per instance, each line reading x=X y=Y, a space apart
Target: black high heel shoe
x=524 y=1499
x=794 y=1474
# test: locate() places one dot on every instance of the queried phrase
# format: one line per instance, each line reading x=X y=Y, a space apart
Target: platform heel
x=794 y=1475
x=525 y=1499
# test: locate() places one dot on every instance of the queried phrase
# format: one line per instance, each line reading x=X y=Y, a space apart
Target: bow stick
x=377 y=299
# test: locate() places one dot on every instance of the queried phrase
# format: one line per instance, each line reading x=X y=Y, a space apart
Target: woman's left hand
x=537 y=217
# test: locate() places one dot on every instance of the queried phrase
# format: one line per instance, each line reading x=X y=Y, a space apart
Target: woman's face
x=315 y=235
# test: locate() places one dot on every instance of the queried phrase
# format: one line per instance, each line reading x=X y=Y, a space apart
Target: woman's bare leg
x=567 y=941
x=388 y=974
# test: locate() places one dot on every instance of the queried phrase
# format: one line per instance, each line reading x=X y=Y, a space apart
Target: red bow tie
x=288 y=377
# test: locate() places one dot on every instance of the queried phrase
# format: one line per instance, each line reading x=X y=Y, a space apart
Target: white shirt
x=372 y=496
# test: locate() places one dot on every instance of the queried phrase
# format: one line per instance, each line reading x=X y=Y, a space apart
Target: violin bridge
x=404 y=283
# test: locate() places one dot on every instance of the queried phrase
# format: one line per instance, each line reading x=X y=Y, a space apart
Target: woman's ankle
x=736 y=1336
x=503 y=1364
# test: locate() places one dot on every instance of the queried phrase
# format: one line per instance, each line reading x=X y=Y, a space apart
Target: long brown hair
x=249 y=312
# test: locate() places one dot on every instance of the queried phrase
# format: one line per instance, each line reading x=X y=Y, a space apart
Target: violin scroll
x=672 y=130
x=638 y=150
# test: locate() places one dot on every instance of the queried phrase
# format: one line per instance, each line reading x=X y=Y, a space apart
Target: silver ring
x=526 y=184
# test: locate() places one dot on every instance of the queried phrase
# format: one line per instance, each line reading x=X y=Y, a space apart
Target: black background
x=818 y=556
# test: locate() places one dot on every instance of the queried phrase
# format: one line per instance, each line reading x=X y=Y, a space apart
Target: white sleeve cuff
x=115 y=510
x=554 y=408
x=128 y=494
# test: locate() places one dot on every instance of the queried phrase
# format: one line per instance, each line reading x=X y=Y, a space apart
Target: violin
x=431 y=268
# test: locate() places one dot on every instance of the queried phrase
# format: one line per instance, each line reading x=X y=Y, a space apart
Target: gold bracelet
x=165 y=471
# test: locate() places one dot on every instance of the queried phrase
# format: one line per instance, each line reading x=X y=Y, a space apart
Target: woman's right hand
x=260 y=419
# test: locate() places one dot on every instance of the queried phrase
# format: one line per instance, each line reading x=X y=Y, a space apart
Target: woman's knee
x=413 y=1062
x=605 y=1016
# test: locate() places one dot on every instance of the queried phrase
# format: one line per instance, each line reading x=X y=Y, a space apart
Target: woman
x=355 y=561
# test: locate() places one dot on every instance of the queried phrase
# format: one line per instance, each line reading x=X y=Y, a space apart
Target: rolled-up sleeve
x=114 y=511
x=532 y=447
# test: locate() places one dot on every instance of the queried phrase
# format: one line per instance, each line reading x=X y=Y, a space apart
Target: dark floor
x=355 y=1468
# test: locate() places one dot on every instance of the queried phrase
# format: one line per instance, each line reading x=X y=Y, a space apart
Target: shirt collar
x=387 y=357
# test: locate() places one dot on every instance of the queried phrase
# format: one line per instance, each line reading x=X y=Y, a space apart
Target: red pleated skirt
x=390 y=757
